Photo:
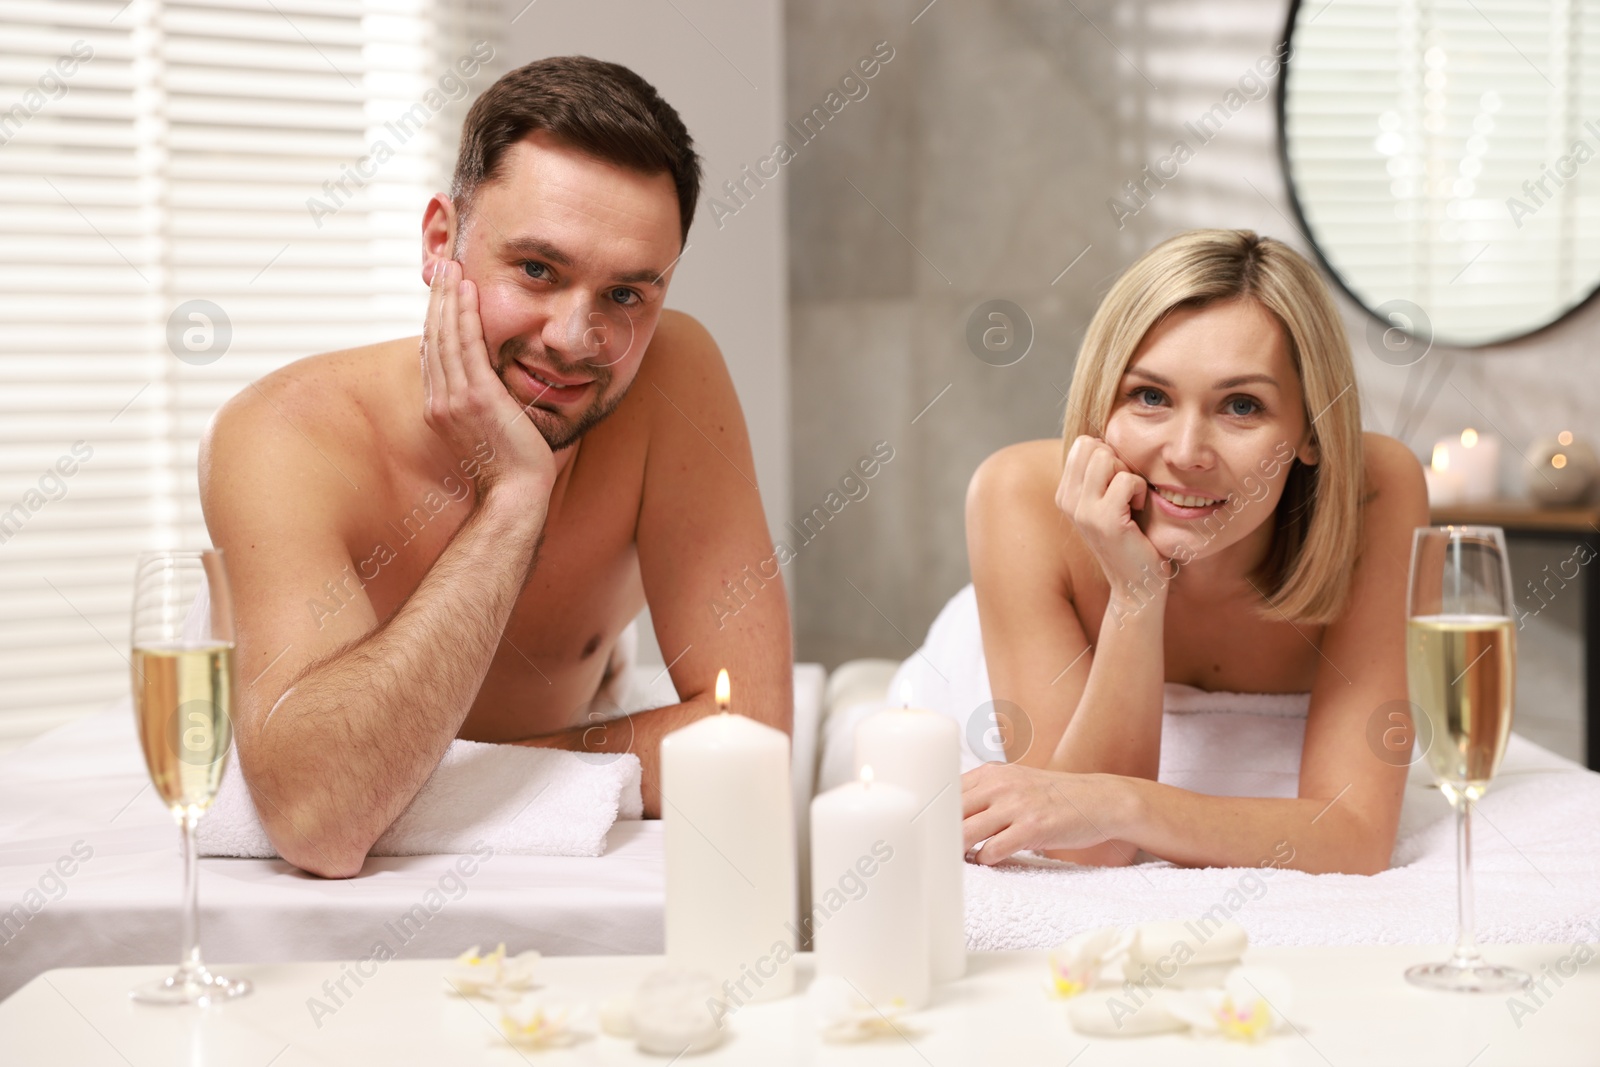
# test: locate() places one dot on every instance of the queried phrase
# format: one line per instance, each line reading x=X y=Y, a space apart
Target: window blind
x=191 y=195
x=1415 y=129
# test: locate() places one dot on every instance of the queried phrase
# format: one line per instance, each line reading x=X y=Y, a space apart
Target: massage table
x=83 y=789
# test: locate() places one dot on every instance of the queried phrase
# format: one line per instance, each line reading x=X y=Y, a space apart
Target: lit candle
x=1444 y=481
x=869 y=918
x=1473 y=460
x=920 y=751
x=1478 y=459
x=730 y=853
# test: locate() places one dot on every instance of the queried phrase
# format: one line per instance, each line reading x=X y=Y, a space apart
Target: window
x=192 y=194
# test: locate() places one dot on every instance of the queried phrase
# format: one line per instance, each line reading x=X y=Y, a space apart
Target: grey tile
x=842 y=237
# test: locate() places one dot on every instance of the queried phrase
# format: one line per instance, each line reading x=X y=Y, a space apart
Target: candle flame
x=1558 y=460
x=905 y=692
x=722 y=690
x=1441 y=457
x=1469 y=437
x=866 y=774
x=1565 y=437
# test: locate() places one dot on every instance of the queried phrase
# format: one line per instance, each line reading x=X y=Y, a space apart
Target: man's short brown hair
x=602 y=109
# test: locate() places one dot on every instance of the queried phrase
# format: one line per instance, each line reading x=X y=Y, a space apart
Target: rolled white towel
x=515 y=799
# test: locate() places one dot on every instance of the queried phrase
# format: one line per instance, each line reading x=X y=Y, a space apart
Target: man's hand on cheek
x=466 y=404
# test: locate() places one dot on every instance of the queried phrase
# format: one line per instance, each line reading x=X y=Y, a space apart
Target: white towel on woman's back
x=1225 y=744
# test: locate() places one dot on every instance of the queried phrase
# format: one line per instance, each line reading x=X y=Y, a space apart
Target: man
x=450 y=547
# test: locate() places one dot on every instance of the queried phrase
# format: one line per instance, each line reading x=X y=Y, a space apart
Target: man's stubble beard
x=558 y=431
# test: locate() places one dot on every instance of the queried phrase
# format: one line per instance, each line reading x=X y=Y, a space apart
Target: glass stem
x=190 y=962
x=1466 y=943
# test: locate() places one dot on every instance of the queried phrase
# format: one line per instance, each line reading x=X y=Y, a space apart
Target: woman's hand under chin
x=1107 y=501
x=1012 y=808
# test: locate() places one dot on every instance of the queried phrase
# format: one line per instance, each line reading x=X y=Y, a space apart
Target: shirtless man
x=449 y=547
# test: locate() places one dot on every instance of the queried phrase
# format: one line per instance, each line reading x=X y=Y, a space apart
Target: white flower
x=538 y=1026
x=494 y=975
x=843 y=1014
x=1248 y=1007
x=1076 y=963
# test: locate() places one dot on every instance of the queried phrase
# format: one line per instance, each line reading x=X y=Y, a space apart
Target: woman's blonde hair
x=1306 y=573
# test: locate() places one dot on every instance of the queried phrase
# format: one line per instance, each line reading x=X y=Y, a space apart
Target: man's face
x=571 y=257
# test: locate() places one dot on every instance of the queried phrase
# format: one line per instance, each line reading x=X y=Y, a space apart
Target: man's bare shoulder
x=315 y=418
x=684 y=380
x=682 y=352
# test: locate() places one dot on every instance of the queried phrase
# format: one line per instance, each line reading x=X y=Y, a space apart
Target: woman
x=1213 y=516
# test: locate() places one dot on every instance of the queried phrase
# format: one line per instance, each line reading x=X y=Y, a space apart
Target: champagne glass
x=183 y=690
x=1461 y=669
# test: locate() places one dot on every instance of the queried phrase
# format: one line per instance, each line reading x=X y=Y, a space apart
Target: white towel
x=516 y=799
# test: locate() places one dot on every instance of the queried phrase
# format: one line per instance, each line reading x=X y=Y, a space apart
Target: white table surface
x=1351 y=1006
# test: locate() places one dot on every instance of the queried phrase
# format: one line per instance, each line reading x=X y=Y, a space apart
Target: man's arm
x=344 y=725
x=710 y=574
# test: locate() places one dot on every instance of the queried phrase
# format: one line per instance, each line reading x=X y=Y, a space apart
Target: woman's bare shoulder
x=1013 y=523
x=1019 y=475
x=1393 y=472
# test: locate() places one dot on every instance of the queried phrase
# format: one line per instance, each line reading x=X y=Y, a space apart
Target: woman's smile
x=1165 y=503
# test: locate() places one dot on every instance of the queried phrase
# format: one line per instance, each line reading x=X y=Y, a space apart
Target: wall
x=979 y=167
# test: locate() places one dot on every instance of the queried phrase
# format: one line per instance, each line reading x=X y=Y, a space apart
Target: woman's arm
x=1348 y=810
x=1071 y=816
x=1024 y=594
x=1039 y=658
x=1333 y=835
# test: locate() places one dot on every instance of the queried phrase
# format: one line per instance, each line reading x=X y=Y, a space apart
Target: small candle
x=730 y=853
x=920 y=750
x=1444 y=481
x=1473 y=459
x=1478 y=459
x=869 y=915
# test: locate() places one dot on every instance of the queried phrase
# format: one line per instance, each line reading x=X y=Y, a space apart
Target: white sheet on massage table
x=1536 y=858
x=87 y=781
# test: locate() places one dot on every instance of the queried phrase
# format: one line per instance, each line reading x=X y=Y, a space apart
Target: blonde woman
x=1213 y=516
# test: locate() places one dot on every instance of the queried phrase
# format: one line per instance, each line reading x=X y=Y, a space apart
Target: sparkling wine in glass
x=1461 y=669
x=183 y=690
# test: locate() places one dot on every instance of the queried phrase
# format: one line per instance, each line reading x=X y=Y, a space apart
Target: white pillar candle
x=920 y=751
x=869 y=916
x=730 y=853
x=1474 y=459
x=1477 y=456
x=1444 y=481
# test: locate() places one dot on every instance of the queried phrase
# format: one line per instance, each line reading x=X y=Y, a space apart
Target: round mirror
x=1441 y=157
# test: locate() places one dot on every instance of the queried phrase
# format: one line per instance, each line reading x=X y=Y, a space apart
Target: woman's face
x=1210 y=407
